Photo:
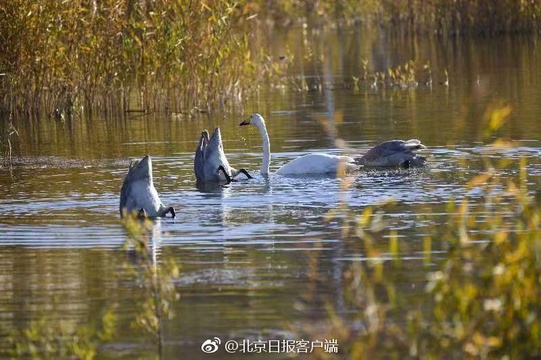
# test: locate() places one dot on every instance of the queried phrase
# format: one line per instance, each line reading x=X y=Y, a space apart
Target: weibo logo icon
x=210 y=346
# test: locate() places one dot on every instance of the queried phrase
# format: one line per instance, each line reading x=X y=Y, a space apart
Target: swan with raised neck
x=316 y=163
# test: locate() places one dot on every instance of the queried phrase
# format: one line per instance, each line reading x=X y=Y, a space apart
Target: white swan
x=308 y=164
x=139 y=194
x=393 y=153
x=210 y=162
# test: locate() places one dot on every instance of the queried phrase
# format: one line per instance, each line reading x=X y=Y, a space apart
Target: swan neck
x=266 y=149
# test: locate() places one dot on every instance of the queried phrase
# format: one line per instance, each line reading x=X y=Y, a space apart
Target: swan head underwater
x=138 y=193
x=394 y=153
x=210 y=163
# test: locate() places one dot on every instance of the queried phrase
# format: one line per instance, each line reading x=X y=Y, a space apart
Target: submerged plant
x=404 y=76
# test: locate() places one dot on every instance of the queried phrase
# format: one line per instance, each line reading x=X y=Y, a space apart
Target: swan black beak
x=245 y=122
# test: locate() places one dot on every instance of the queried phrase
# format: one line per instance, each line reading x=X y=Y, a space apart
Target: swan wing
x=391 y=153
x=414 y=144
x=315 y=164
x=395 y=146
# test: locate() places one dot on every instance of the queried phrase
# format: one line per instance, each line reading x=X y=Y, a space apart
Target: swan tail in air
x=138 y=193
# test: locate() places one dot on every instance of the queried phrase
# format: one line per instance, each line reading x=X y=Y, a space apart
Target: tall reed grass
x=486 y=17
x=120 y=55
x=59 y=56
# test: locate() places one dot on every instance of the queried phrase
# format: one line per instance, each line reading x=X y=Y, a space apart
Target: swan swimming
x=139 y=194
x=307 y=164
x=210 y=163
x=393 y=153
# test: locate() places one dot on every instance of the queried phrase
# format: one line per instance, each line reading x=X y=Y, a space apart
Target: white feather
x=316 y=164
x=143 y=195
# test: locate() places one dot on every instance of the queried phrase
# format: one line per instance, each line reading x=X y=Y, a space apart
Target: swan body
x=393 y=153
x=317 y=163
x=139 y=194
x=210 y=162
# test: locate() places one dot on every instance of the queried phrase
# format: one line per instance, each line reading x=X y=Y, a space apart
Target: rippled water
x=246 y=251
